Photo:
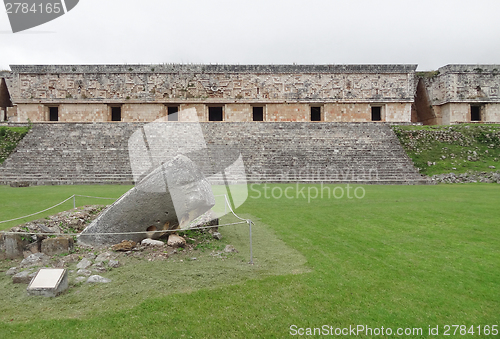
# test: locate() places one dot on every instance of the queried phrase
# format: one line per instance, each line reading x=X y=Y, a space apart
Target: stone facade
x=331 y=93
x=461 y=93
x=142 y=93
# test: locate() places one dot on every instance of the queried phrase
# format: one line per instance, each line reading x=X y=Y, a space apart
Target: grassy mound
x=9 y=138
x=457 y=148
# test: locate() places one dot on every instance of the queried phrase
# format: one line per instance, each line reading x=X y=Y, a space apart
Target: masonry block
x=51 y=246
x=11 y=246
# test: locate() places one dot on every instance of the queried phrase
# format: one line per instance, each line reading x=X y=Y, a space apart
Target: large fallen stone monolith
x=168 y=198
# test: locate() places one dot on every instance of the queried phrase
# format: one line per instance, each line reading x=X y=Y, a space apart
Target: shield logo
x=31 y=13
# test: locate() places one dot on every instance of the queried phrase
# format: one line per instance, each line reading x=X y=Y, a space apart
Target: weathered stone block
x=51 y=246
x=125 y=245
x=176 y=241
x=11 y=246
x=23 y=277
x=152 y=242
x=32 y=248
x=174 y=193
x=84 y=263
x=36 y=259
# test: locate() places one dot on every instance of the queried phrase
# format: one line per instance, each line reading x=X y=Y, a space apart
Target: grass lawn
x=18 y=202
x=400 y=257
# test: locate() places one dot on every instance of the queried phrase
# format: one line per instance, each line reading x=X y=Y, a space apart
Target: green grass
x=9 y=138
x=458 y=148
x=139 y=279
x=17 y=202
x=402 y=256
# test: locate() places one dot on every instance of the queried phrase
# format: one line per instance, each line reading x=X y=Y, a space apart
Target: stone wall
x=465 y=83
x=455 y=88
x=286 y=91
x=168 y=88
x=147 y=112
x=492 y=112
x=345 y=93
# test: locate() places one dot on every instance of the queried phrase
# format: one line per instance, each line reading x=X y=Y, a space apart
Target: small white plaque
x=49 y=282
x=47 y=278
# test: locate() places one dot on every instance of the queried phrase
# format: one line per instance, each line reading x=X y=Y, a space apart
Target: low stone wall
x=469 y=177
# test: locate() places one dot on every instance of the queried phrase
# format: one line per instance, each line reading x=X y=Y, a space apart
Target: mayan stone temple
x=237 y=93
x=308 y=123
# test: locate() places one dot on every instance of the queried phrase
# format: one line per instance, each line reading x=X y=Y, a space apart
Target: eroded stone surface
x=35 y=259
x=152 y=242
x=97 y=279
x=125 y=245
x=84 y=263
x=114 y=263
x=174 y=193
x=23 y=277
x=51 y=246
x=176 y=241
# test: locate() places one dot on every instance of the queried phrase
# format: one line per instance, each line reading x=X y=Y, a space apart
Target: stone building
x=459 y=93
x=140 y=93
x=241 y=93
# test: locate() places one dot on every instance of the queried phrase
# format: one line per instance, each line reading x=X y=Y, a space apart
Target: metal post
x=251 y=252
x=74 y=201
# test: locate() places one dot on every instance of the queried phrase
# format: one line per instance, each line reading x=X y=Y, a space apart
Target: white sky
x=430 y=33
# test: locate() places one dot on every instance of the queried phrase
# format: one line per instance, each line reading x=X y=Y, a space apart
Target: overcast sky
x=430 y=33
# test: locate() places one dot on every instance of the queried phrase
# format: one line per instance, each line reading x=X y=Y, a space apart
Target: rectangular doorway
x=376 y=113
x=258 y=113
x=116 y=114
x=173 y=113
x=53 y=113
x=215 y=113
x=315 y=113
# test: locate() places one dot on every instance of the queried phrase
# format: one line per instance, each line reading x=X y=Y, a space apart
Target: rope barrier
x=87 y=196
x=45 y=210
x=125 y=233
x=120 y=233
x=243 y=221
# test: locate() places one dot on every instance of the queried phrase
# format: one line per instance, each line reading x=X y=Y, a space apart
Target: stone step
x=99 y=152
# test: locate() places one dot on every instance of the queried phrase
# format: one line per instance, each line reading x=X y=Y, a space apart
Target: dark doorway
x=315 y=113
x=173 y=113
x=4 y=99
x=215 y=113
x=116 y=114
x=53 y=113
x=475 y=113
x=376 y=113
x=258 y=113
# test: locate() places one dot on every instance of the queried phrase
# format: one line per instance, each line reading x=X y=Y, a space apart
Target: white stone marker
x=49 y=282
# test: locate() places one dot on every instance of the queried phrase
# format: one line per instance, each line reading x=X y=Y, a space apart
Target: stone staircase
x=91 y=153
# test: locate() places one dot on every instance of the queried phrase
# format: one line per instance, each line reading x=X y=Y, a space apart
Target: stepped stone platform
x=98 y=153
